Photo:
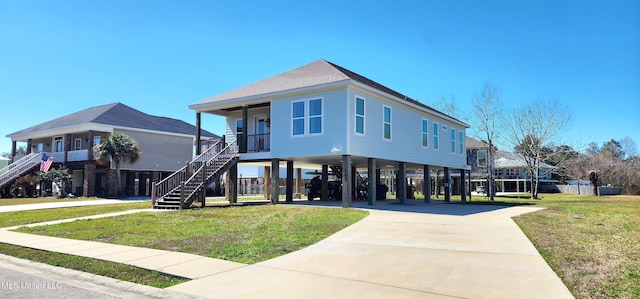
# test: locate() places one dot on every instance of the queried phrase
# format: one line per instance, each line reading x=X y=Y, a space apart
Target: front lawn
x=248 y=234
x=592 y=243
x=8 y=219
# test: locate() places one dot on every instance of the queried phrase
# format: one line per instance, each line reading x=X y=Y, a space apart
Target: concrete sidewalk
x=431 y=250
x=68 y=204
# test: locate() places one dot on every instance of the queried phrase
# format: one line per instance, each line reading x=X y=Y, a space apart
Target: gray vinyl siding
x=334 y=126
x=160 y=152
x=406 y=134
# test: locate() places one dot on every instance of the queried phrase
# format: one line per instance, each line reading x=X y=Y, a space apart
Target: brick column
x=89 y=181
x=110 y=185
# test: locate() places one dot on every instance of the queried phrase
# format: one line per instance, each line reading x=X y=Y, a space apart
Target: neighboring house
x=512 y=175
x=509 y=169
x=166 y=145
x=322 y=115
x=4 y=162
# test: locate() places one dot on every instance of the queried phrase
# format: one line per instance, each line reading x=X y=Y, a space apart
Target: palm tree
x=120 y=148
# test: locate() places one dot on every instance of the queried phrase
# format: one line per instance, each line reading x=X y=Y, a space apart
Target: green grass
x=22 y=201
x=592 y=243
x=242 y=234
x=27 y=217
x=99 y=267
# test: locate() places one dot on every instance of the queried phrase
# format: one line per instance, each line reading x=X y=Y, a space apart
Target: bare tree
x=487 y=119
x=530 y=128
x=447 y=104
x=612 y=165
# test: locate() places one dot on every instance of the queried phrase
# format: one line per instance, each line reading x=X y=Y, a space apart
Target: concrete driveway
x=418 y=250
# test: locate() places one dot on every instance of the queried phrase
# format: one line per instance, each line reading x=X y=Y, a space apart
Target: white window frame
x=461 y=142
x=77 y=144
x=96 y=140
x=307 y=117
x=295 y=118
x=385 y=123
x=425 y=132
x=360 y=116
x=56 y=140
x=236 y=128
x=486 y=154
x=321 y=116
x=436 y=136
x=453 y=140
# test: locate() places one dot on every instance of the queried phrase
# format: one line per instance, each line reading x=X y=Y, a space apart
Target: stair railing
x=17 y=168
x=204 y=169
x=194 y=169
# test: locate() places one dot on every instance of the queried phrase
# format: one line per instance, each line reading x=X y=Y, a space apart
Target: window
x=425 y=133
x=57 y=144
x=453 y=140
x=239 y=129
x=315 y=116
x=96 y=140
x=359 y=116
x=435 y=136
x=77 y=144
x=298 y=118
x=460 y=142
x=482 y=158
x=306 y=117
x=386 y=111
x=40 y=147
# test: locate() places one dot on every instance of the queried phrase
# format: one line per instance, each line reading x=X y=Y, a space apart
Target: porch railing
x=259 y=143
x=17 y=168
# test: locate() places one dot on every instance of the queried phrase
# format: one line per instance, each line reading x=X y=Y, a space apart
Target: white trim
x=486 y=157
x=436 y=134
x=461 y=145
x=203 y=106
x=390 y=122
x=356 y=115
x=77 y=148
x=422 y=132
x=453 y=141
x=54 y=145
x=85 y=127
x=307 y=117
x=403 y=101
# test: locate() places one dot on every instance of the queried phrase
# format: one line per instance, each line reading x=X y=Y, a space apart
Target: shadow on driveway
x=438 y=207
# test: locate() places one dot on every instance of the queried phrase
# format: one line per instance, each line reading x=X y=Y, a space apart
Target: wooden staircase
x=18 y=168
x=182 y=188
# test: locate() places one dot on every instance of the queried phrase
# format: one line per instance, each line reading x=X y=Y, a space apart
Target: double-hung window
x=460 y=142
x=453 y=140
x=425 y=133
x=359 y=116
x=482 y=158
x=77 y=144
x=386 y=127
x=306 y=117
x=436 y=138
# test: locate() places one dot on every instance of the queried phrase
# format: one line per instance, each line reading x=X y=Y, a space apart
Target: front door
x=262 y=133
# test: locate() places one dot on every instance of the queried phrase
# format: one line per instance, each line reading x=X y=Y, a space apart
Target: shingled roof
x=117 y=115
x=319 y=72
x=475 y=144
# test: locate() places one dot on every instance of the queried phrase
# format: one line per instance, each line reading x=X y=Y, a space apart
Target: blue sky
x=58 y=57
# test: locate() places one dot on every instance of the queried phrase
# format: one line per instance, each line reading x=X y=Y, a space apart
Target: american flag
x=46 y=162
